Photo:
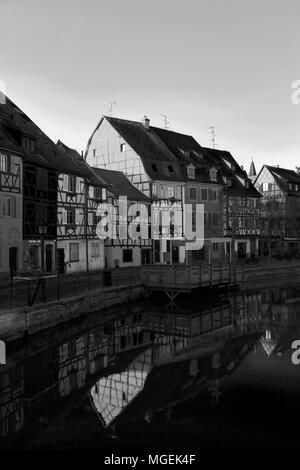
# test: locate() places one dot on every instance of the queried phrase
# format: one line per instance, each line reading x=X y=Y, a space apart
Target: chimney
x=146 y=122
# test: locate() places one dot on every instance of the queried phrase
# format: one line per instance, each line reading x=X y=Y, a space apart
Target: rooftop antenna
x=110 y=109
x=167 y=124
x=213 y=136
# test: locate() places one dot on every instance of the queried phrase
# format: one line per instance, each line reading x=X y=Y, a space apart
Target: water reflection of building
x=140 y=361
x=11 y=401
x=113 y=393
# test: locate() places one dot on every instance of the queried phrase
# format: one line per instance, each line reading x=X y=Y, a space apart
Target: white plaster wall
x=94 y=263
x=116 y=252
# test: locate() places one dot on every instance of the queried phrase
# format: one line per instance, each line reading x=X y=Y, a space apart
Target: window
x=191 y=171
x=171 y=169
x=204 y=194
x=127 y=255
x=103 y=194
x=97 y=193
x=154 y=167
x=171 y=191
x=154 y=190
x=95 y=250
x=94 y=152
x=74 y=252
x=72 y=184
x=215 y=247
x=193 y=194
x=28 y=143
x=70 y=217
x=215 y=219
x=4 y=162
x=33 y=256
x=7 y=207
x=193 y=219
x=122 y=147
x=290 y=186
x=214 y=195
x=213 y=174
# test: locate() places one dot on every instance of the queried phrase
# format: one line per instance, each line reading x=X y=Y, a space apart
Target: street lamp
x=43 y=232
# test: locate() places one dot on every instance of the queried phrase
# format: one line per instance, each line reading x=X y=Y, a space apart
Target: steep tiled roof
x=15 y=124
x=146 y=143
x=283 y=176
x=229 y=168
x=78 y=166
x=119 y=185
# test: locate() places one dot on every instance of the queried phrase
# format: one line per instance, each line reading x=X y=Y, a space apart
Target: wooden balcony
x=186 y=278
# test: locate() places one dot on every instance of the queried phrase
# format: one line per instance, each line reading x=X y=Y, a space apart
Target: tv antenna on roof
x=167 y=124
x=110 y=109
x=213 y=136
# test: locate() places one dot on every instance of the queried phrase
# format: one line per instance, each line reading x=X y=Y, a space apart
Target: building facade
x=129 y=244
x=137 y=150
x=10 y=208
x=280 y=209
x=79 y=194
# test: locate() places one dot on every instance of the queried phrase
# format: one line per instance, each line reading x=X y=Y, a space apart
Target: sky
x=228 y=64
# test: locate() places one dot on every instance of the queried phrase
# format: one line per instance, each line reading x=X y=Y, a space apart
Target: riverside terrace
x=24 y=292
x=27 y=290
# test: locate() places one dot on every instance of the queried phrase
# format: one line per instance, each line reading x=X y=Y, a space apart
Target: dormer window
x=233 y=167
x=186 y=153
x=213 y=174
x=191 y=171
x=197 y=154
x=154 y=167
x=171 y=169
x=28 y=143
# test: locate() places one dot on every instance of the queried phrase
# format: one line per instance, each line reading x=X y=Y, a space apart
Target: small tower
x=252 y=171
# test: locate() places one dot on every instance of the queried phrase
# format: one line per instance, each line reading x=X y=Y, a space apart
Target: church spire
x=252 y=170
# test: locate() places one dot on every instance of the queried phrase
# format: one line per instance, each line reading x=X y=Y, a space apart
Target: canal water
x=211 y=371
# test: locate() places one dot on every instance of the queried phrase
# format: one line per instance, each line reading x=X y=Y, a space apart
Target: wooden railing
x=188 y=277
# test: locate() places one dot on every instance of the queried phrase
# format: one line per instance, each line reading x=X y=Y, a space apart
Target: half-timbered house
x=138 y=150
x=10 y=204
x=124 y=248
x=280 y=208
x=241 y=205
x=79 y=193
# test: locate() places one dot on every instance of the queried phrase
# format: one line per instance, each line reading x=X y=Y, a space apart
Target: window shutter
x=78 y=185
x=64 y=217
x=1 y=206
x=65 y=183
x=90 y=218
x=91 y=192
x=77 y=217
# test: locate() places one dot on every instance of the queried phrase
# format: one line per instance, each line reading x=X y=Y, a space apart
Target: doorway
x=49 y=258
x=13 y=259
x=175 y=254
x=61 y=260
